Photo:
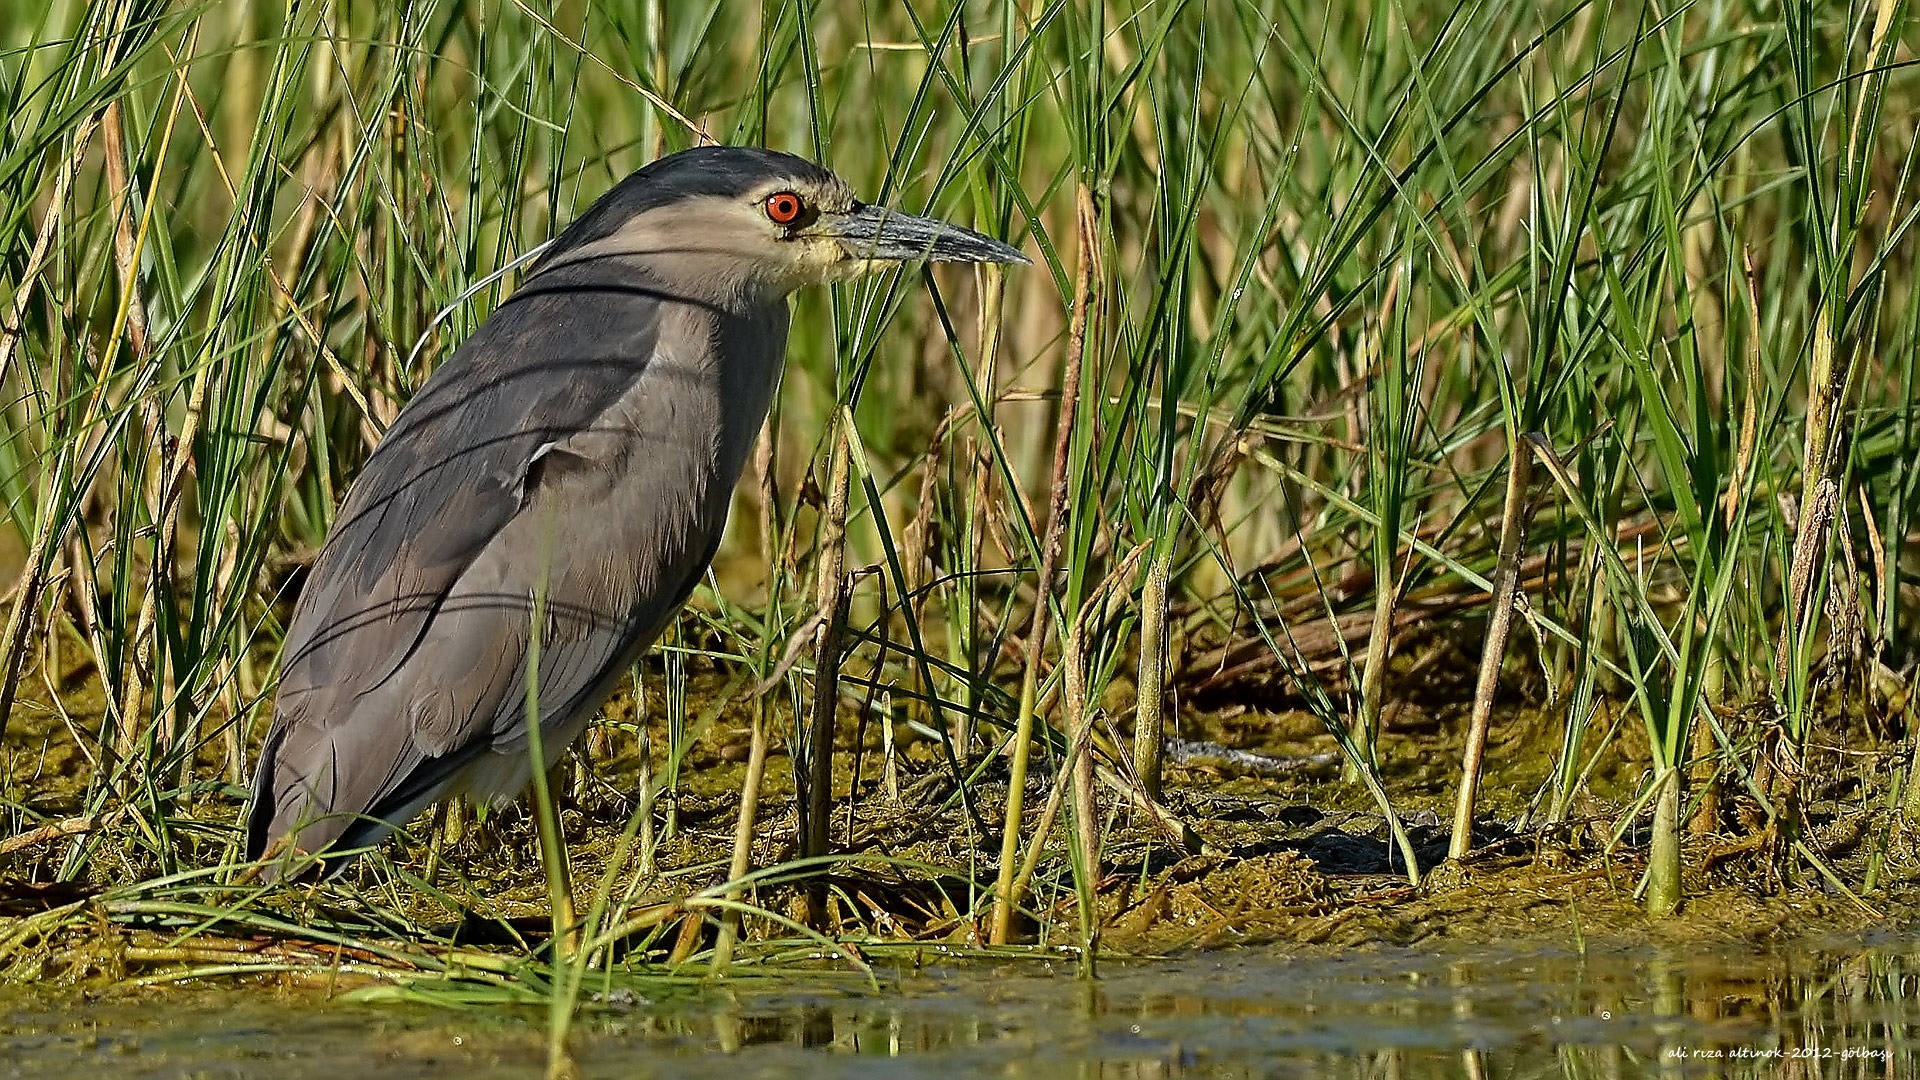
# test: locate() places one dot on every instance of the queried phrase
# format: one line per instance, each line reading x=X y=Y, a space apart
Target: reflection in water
x=1840 y=1009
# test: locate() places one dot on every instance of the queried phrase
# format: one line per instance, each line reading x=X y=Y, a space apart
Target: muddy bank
x=1278 y=849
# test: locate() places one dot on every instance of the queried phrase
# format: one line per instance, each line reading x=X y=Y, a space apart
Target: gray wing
x=561 y=451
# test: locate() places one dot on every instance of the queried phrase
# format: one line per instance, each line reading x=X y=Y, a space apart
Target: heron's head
x=734 y=215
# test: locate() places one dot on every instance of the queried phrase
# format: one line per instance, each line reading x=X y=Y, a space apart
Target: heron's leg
x=436 y=839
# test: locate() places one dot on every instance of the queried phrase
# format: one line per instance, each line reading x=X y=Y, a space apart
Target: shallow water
x=1831 y=1008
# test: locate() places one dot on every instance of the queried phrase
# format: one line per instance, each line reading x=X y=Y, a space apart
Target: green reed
x=1330 y=278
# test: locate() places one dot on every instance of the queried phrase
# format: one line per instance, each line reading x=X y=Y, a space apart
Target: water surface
x=1841 y=1007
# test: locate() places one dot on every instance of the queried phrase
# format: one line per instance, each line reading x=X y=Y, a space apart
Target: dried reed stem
x=815 y=783
x=1506 y=588
x=26 y=591
x=743 y=834
x=1149 y=717
x=1005 y=893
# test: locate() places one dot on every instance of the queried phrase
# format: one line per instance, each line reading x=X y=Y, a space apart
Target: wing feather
x=581 y=447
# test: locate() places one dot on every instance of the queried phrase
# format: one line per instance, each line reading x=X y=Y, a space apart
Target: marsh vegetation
x=1448 y=459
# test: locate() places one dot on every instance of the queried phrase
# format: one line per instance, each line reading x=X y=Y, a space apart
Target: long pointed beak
x=877 y=234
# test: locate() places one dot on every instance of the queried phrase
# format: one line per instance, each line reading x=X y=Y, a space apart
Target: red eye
x=784 y=208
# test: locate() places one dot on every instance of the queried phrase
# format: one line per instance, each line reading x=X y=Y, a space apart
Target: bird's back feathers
x=578 y=453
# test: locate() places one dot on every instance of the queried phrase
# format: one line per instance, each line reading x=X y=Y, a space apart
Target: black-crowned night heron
x=574 y=457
